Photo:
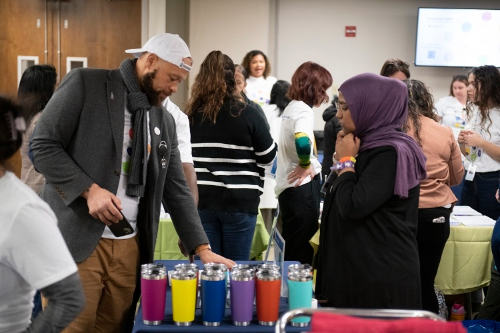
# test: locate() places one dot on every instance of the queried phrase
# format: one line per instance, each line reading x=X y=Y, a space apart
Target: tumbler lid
x=191 y=266
x=268 y=275
x=243 y=267
x=268 y=266
x=301 y=276
x=215 y=266
x=299 y=267
x=214 y=274
x=242 y=275
x=184 y=275
x=153 y=271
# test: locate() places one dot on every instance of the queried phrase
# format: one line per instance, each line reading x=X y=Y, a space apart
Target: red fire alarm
x=350 y=31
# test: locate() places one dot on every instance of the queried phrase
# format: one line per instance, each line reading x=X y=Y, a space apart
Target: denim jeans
x=230 y=233
x=479 y=193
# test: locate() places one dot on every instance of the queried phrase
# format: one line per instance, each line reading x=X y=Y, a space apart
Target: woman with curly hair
x=259 y=82
x=231 y=145
x=444 y=169
x=480 y=141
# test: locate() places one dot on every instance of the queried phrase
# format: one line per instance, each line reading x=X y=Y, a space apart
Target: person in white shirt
x=259 y=82
x=33 y=254
x=297 y=174
x=451 y=109
x=480 y=142
x=184 y=141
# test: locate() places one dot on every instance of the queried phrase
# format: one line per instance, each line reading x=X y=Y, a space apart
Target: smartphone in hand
x=122 y=228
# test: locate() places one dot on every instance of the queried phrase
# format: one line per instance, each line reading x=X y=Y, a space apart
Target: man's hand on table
x=207 y=256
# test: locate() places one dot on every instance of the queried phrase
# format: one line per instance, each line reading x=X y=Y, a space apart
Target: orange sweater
x=444 y=164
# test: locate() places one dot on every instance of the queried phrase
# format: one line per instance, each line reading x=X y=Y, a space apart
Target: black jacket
x=332 y=127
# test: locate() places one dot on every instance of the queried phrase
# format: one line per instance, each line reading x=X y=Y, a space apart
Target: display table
x=197 y=326
x=167 y=248
x=466 y=261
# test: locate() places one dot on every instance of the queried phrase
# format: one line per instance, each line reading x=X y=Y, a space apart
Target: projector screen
x=457 y=37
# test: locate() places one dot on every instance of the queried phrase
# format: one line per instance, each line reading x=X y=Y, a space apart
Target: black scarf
x=138 y=105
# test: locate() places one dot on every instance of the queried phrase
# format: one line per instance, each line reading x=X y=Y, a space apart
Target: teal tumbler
x=300 y=293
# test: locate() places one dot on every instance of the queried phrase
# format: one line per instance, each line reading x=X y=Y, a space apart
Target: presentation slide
x=458 y=37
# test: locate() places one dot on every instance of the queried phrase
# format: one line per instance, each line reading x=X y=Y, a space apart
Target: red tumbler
x=268 y=285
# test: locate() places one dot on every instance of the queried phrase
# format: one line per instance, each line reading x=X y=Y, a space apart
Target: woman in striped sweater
x=231 y=145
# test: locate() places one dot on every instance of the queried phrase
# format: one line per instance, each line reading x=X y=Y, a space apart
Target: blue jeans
x=230 y=233
x=479 y=193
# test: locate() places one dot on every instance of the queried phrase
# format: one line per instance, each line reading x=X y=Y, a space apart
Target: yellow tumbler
x=183 y=297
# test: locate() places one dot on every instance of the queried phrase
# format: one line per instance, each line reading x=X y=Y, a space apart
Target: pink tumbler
x=153 y=293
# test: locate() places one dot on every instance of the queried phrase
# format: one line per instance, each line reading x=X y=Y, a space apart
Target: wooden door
x=99 y=30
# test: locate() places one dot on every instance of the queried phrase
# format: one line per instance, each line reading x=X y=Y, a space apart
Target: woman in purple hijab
x=368 y=256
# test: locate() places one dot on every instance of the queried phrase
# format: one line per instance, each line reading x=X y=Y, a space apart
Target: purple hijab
x=378 y=107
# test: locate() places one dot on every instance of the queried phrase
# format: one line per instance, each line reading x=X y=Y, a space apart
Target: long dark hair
x=487 y=84
x=420 y=102
x=37 y=85
x=213 y=86
x=279 y=95
x=10 y=136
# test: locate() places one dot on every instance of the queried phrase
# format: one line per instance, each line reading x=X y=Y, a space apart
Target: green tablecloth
x=465 y=263
x=167 y=249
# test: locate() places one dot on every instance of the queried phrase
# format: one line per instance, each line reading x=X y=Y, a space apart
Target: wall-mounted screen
x=448 y=37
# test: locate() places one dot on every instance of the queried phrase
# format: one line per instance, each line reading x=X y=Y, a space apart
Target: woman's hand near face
x=347 y=145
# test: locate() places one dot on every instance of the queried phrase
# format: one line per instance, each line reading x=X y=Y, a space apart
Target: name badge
x=471 y=172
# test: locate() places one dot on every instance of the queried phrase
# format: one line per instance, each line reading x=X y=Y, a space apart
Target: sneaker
x=457 y=312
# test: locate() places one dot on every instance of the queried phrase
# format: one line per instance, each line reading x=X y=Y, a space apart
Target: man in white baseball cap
x=168 y=47
x=109 y=153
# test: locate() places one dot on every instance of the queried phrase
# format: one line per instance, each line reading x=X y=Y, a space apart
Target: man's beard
x=147 y=86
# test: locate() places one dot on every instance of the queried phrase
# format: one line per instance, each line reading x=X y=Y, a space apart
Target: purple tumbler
x=153 y=293
x=242 y=295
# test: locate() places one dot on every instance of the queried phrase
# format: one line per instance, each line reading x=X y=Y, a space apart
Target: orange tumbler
x=268 y=286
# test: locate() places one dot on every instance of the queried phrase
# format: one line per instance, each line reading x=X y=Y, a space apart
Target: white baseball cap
x=168 y=47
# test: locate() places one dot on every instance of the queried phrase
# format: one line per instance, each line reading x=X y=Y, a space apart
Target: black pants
x=299 y=207
x=490 y=309
x=432 y=234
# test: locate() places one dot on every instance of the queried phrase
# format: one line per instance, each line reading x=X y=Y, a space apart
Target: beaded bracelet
x=343 y=165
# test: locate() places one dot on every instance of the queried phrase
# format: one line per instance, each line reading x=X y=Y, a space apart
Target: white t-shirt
x=297 y=117
x=452 y=113
x=182 y=129
x=130 y=205
x=268 y=198
x=33 y=254
x=258 y=89
x=484 y=162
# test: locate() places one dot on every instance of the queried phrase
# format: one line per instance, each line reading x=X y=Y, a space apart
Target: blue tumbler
x=213 y=295
x=300 y=293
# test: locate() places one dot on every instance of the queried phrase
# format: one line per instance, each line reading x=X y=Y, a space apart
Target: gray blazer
x=79 y=141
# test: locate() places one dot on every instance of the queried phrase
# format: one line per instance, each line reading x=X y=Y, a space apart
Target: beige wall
x=293 y=31
x=231 y=26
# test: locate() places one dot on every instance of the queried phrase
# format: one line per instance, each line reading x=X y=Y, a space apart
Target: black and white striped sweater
x=227 y=156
